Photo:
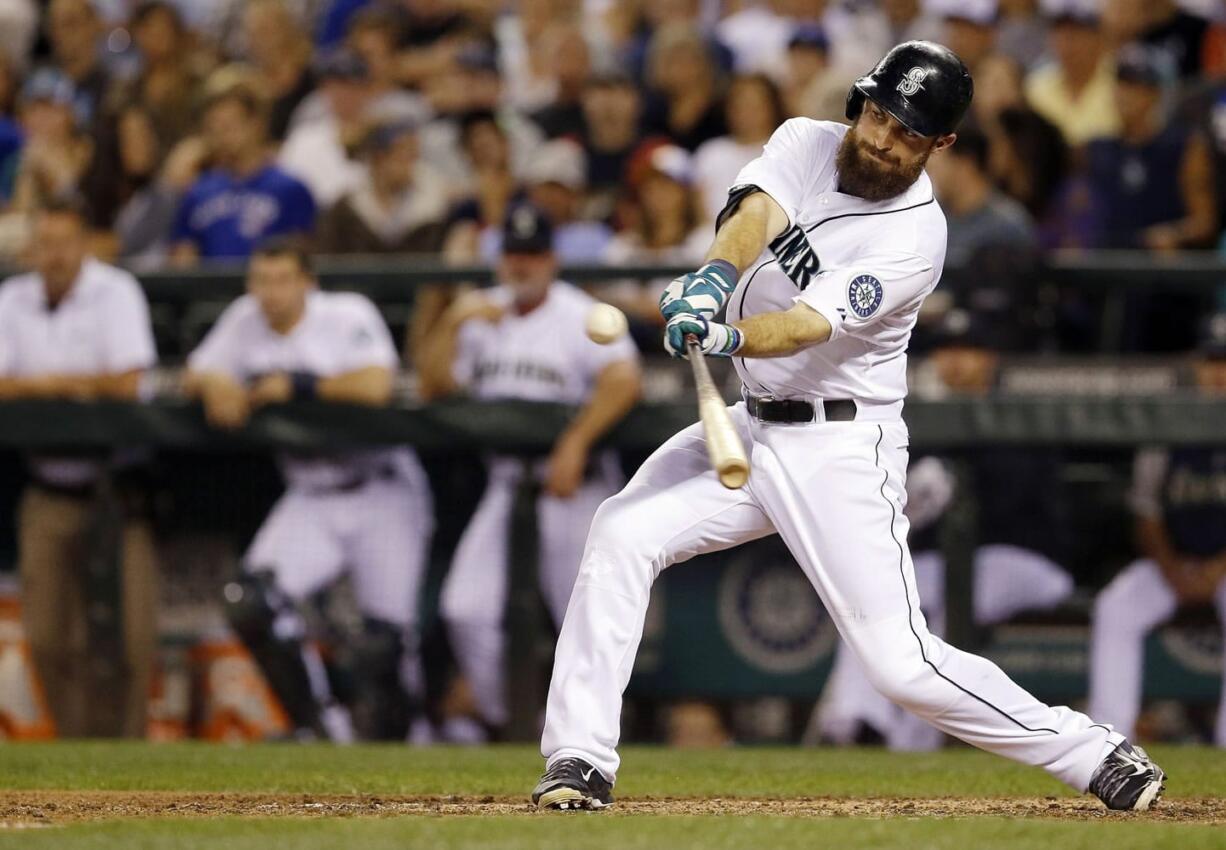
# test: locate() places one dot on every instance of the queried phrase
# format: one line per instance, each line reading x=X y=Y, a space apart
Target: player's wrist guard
x=701 y=293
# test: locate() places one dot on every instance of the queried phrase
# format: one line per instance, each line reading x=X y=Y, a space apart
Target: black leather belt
x=357 y=482
x=799 y=410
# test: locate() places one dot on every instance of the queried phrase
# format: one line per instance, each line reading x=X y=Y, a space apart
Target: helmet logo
x=912 y=82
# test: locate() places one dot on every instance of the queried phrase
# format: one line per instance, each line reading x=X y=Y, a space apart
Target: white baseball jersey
x=340 y=332
x=833 y=491
x=100 y=327
x=866 y=266
x=544 y=355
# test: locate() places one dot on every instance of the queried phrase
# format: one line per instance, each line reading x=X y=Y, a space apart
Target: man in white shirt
x=365 y=512
x=317 y=152
x=525 y=340
x=829 y=244
x=78 y=329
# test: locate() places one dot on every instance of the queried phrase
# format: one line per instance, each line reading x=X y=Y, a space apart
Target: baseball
x=605 y=323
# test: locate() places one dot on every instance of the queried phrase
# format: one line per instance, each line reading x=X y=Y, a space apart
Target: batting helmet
x=922 y=84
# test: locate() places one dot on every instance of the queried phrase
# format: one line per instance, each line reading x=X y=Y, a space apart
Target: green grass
x=511 y=771
x=595 y=832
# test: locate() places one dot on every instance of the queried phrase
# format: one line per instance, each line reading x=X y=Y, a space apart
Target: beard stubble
x=871 y=179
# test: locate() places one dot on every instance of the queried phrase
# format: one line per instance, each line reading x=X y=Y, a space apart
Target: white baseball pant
x=1008 y=580
x=834 y=493
x=474 y=594
x=1137 y=601
x=379 y=532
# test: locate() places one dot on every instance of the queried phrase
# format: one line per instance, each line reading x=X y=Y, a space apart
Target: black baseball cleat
x=1127 y=780
x=572 y=784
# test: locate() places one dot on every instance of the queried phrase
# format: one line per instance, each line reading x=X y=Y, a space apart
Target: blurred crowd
x=193 y=129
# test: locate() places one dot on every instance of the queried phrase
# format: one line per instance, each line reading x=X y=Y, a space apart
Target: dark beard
x=871 y=179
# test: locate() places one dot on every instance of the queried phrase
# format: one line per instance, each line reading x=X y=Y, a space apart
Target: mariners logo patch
x=912 y=82
x=865 y=295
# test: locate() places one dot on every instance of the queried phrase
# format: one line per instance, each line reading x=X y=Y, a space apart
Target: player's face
x=280 y=286
x=528 y=276
x=59 y=249
x=880 y=158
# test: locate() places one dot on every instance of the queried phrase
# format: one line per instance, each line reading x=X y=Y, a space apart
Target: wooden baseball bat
x=724 y=445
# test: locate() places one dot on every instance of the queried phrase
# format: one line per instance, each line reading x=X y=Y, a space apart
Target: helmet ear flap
x=855 y=103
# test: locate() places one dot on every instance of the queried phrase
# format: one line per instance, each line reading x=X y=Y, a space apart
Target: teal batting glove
x=717 y=340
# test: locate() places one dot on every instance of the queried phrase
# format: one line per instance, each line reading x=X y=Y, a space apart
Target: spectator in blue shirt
x=244 y=198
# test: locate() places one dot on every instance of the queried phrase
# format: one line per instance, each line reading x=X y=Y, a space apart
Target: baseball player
x=366 y=512
x=836 y=239
x=1179 y=498
x=526 y=340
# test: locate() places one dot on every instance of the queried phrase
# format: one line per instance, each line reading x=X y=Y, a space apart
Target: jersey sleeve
x=785 y=169
x=128 y=341
x=221 y=347
x=1148 y=471
x=857 y=297
x=366 y=340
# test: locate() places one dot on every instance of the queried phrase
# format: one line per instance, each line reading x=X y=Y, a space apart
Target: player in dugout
x=525 y=339
x=1179 y=498
x=364 y=511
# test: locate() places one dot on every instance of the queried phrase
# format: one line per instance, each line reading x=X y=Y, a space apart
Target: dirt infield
x=34 y=808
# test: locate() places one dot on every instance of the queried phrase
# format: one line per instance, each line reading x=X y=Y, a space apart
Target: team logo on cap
x=912 y=82
x=523 y=222
x=865 y=295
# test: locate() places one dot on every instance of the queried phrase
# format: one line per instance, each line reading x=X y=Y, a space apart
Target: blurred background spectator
x=686 y=99
x=753 y=108
x=74 y=31
x=663 y=222
x=243 y=197
x=279 y=51
x=554 y=181
x=397 y=207
x=612 y=111
x=169 y=84
x=980 y=216
x=1027 y=156
x=969 y=28
x=319 y=152
x=1153 y=182
x=1075 y=89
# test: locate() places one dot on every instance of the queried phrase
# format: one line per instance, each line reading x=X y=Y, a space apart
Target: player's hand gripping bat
x=724 y=445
